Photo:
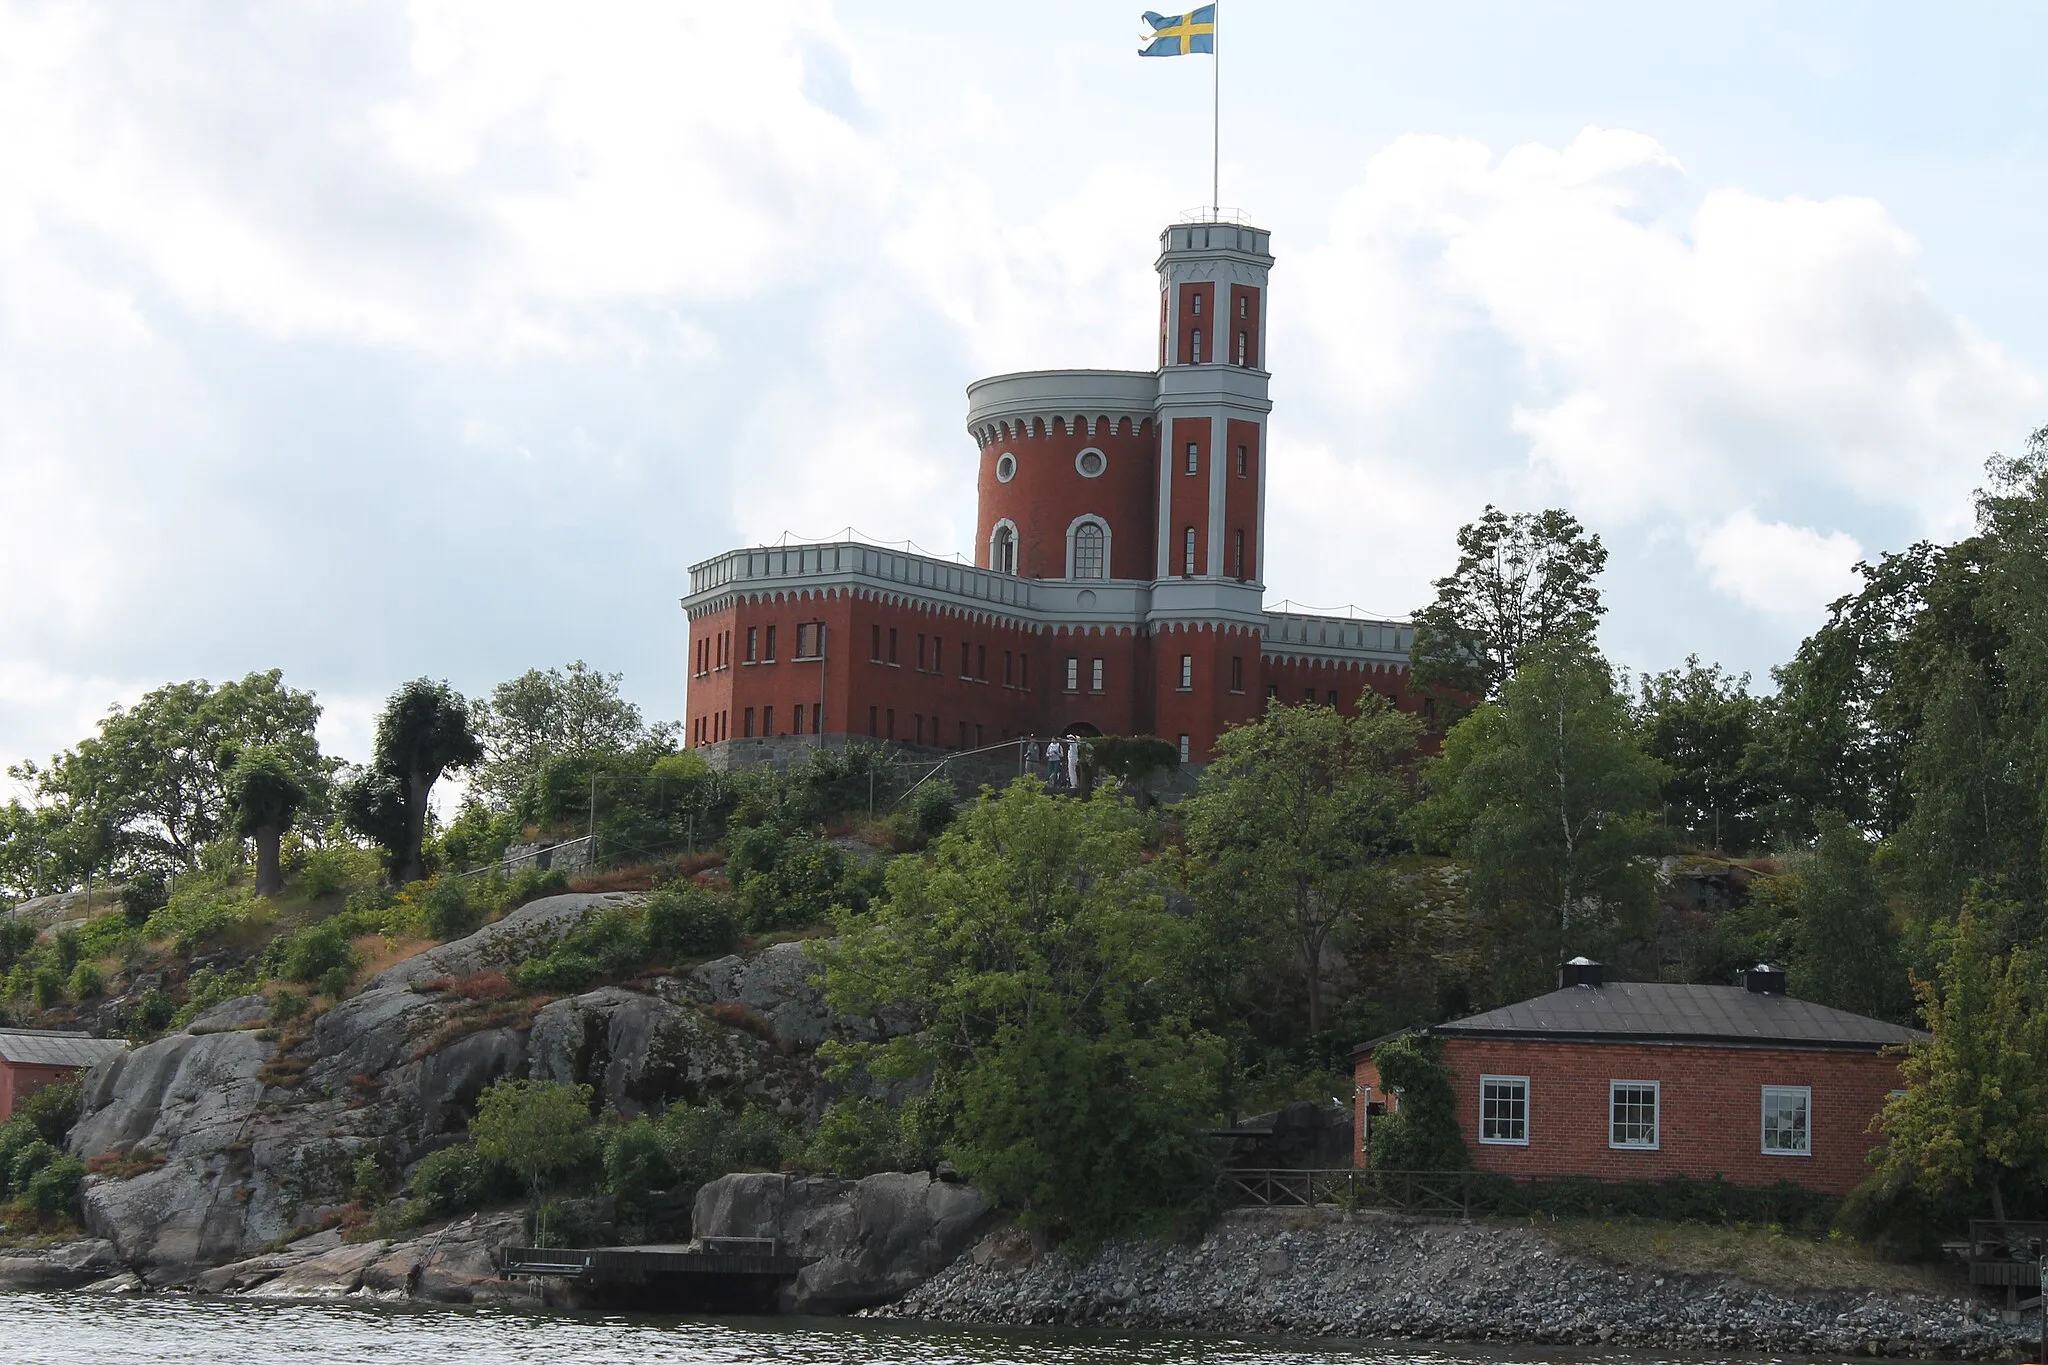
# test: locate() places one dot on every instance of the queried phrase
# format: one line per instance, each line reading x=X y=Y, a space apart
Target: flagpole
x=1216 y=112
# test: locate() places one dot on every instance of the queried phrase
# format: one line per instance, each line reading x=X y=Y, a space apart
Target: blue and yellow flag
x=1180 y=34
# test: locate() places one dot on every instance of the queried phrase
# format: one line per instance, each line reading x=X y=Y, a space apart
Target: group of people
x=1062 y=761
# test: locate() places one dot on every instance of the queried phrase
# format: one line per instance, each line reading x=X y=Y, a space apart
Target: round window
x=1006 y=467
x=1091 y=463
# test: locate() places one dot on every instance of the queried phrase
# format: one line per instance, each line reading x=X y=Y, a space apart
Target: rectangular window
x=767 y=720
x=892 y=722
x=981 y=662
x=1024 y=671
x=977 y=736
x=818 y=718
x=920 y=652
x=1242 y=462
x=1238 y=547
x=753 y=640
x=1241 y=302
x=1009 y=668
x=965 y=658
x=1073 y=673
x=1187 y=553
x=1183 y=748
x=892 y=645
x=1237 y=672
x=769 y=655
x=1095 y=675
x=1632 y=1114
x=1333 y=697
x=874 y=644
x=873 y=721
x=1788 y=1127
x=1504 y=1110
x=748 y=721
x=1194 y=458
x=963 y=734
x=938 y=655
x=1187 y=672
x=1308 y=697
x=1197 y=298
x=917 y=723
x=810 y=640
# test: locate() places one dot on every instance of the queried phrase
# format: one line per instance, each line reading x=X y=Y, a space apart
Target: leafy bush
x=29 y=1158
x=53 y=1190
x=202 y=914
x=458 y=1179
x=1422 y=1134
x=85 y=983
x=688 y=1145
x=540 y=1130
x=611 y=943
x=446 y=910
x=46 y=985
x=148 y=891
x=50 y=1111
x=208 y=987
x=928 y=811
x=149 y=1015
x=787 y=881
x=339 y=868
x=318 y=949
x=857 y=1136
x=17 y=937
x=684 y=920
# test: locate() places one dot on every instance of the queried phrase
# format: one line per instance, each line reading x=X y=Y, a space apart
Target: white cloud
x=1791 y=572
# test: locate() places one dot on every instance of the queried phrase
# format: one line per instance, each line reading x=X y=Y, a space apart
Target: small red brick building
x=1119 y=575
x=1646 y=1080
x=33 y=1058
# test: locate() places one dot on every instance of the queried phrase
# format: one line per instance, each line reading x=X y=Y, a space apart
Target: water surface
x=91 y=1329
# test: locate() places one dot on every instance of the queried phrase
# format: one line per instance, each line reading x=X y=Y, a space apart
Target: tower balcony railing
x=1328 y=632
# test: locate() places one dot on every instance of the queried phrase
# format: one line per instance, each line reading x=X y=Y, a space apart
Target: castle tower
x=1213 y=402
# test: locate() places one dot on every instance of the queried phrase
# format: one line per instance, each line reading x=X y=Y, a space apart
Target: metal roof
x=1659 y=1011
x=43 y=1047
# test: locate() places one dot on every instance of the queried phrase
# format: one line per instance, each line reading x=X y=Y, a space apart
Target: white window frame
x=1523 y=1082
x=1187 y=673
x=1184 y=748
x=1073 y=673
x=1805 y=1094
x=1656 y=1142
x=1073 y=534
x=1095 y=674
x=1081 y=456
x=1187 y=552
x=995 y=538
x=1006 y=467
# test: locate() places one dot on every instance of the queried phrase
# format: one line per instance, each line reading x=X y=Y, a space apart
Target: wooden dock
x=716 y=1275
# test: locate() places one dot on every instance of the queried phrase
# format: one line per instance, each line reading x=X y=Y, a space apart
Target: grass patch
x=1767 y=1255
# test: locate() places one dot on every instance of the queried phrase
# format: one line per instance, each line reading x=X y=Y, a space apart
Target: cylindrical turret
x=1068 y=483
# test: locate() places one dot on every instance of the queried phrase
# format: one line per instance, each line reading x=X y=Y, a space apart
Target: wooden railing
x=2008 y=1252
x=1432 y=1192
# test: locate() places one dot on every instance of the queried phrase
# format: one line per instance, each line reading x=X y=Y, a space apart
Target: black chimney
x=1580 y=971
x=1764 y=979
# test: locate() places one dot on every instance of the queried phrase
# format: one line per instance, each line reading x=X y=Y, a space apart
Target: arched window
x=1002 y=549
x=1198 y=347
x=1187 y=554
x=1088 y=550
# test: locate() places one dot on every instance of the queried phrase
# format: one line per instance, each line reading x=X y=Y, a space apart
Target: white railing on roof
x=852 y=559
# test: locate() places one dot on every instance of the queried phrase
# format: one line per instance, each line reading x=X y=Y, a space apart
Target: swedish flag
x=1180 y=34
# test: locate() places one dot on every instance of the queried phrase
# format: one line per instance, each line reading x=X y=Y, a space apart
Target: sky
x=389 y=338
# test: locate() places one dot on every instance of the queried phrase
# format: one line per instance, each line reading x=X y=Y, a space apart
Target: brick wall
x=1710 y=1102
x=18 y=1082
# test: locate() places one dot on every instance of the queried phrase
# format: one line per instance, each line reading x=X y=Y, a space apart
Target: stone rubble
x=1363 y=1275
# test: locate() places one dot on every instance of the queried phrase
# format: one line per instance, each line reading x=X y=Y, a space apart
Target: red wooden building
x=1119 y=577
x=33 y=1058
x=1644 y=1080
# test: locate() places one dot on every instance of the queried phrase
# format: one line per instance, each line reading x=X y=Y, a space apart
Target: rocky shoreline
x=1377 y=1276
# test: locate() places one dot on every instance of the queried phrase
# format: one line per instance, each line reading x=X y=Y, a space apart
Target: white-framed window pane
x=1073 y=672
x=1088 y=550
x=1504 y=1109
x=1632 y=1109
x=1788 y=1121
x=1183 y=748
x=1095 y=674
x=1187 y=670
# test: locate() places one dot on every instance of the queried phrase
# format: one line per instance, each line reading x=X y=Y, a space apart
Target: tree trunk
x=269 y=875
x=412 y=867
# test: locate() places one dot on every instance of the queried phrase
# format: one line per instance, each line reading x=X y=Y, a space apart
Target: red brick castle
x=1119 y=576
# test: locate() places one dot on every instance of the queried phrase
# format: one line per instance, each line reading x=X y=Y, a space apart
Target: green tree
x=152 y=785
x=1523 y=583
x=538 y=1130
x=1297 y=815
x=1701 y=723
x=1422 y=1132
x=425 y=731
x=265 y=796
x=1550 y=801
x=1970 y=1121
x=1033 y=952
x=1845 y=947
x=573 y=712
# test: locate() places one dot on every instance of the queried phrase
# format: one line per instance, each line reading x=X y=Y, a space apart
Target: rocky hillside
x=238 y=1133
